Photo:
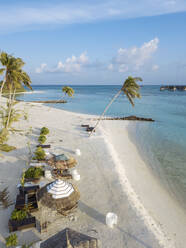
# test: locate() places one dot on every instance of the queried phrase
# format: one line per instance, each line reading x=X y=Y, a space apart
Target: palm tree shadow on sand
x=66 y=150
x=132 y=236
x=93 y=213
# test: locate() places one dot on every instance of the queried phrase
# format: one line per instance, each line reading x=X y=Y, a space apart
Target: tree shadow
x=28 y=236
x=93 y=213
x=139 y=241
x=65 y=149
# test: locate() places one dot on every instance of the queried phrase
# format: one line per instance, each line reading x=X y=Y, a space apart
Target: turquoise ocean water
x=162 y=143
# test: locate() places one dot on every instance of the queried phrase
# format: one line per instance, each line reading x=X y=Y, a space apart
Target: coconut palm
x=130 y=88
x=14 y=77
x=68 y=91
x=3 y=60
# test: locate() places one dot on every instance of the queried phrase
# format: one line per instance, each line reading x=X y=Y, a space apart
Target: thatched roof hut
x=59 y=195
x=62 y=164
x=60 y=189
x=69 y=238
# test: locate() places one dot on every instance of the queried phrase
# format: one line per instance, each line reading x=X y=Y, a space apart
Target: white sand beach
x=114 y=178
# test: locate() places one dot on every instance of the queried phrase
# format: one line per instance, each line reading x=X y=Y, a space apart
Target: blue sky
x=96 y=42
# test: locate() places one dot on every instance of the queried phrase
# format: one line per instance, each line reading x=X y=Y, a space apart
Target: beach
x=114 y=178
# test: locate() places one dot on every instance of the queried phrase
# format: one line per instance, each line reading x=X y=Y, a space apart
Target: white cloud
x=123 y=68
x=155 y=67
x=71 y=64
x=110 y=67
x=30 y=14
x=131 y=59
x=41 y=68
x=134 y=58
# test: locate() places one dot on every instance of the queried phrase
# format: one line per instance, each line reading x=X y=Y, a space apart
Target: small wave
x=32 y=92
x=26 y=92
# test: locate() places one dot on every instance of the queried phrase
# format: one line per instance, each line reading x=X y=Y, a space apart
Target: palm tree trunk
x=107 y=107
x=11 y=100
x=2 y=86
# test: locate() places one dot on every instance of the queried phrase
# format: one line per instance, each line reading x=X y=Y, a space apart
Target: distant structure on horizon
x=173 y=87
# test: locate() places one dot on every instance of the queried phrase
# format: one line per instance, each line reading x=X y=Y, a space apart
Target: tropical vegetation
x=44 y=131
x=42 y=139
x=18 y=214
x=34 y=172
x=22 y=180
x=11 y=240
x=130 y=89
x=39 y=154
x=68 y=91
x=14 y=78
x=6 y=148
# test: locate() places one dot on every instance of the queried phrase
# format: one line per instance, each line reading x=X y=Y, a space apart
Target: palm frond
x=68 y=91
x=131 y=89
x=138 y=79
x=2 y=71
x=15 y=76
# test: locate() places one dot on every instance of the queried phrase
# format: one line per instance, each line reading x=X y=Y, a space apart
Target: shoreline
x=106 y=134
x=156 y=168
x=167 y=221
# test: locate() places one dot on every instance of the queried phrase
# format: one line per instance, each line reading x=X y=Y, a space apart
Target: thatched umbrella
x=59 y=195
x=69 y=238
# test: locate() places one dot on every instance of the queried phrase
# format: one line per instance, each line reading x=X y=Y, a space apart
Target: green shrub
x=3 y=135
x=44 y=131
x=22 y=180
x=39 y=154
x=11 y=240
x=18 y=214
x=42 y=139
x=34 y=172
x=7 y=148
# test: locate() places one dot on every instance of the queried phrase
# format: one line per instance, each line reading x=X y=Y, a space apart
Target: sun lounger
x=84 y=125
x=44 y=146
x=38 y=164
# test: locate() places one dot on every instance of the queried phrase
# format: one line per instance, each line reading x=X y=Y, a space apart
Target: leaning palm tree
x=68 y=91
x=129 y=88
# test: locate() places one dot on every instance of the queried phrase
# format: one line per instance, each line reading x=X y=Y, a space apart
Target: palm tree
x=68 y=91
x=4 y=62
x=129 y=88
x=14 y=77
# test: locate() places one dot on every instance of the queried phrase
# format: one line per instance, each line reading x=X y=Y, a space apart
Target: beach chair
x=84 y=125
x=44 y=146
